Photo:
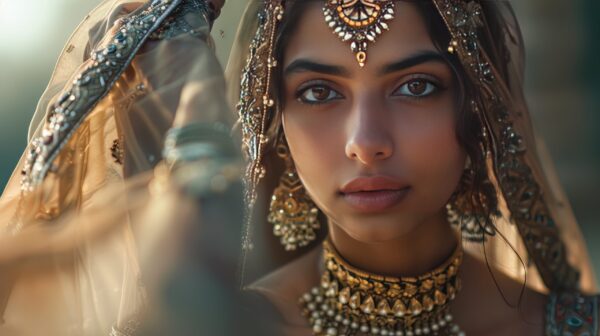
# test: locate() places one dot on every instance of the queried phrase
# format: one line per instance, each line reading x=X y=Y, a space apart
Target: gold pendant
x=359 y=22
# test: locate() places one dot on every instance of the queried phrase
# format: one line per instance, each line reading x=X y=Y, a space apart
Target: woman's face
x=375 y=147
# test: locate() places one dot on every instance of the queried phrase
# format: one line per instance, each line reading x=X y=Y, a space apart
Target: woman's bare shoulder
x=285 y=286
x=505 y=306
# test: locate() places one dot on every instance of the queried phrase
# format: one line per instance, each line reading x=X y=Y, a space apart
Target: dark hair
x=480 y=195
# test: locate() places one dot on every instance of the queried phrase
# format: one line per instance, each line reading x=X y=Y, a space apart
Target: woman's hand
x=215 y=6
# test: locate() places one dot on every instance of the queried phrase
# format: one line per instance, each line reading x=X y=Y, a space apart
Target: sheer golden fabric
x=70 y=252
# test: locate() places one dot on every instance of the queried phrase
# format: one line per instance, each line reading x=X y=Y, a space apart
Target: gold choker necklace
x=352 y=302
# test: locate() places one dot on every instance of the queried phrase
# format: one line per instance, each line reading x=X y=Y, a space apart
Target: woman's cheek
x=317 y=148
x=437 y=159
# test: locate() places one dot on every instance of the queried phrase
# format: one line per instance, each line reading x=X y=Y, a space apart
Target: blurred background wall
x=563 y=84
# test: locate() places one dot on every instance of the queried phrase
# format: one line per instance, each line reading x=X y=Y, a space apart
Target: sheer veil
x=71 y=249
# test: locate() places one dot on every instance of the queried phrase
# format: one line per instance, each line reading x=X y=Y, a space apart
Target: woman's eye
x=417 y=88
x=318 y=95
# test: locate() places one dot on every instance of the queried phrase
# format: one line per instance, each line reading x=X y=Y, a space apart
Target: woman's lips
x=375 y=201
x=374 y=194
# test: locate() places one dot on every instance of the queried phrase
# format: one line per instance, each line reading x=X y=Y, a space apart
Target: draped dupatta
x=69 y=250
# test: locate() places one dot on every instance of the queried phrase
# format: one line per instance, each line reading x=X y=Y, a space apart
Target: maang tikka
x=292 y=213
x=359 y=22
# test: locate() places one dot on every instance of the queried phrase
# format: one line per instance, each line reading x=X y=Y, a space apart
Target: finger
x=216 y=6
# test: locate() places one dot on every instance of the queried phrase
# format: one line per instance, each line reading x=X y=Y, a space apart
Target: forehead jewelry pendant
x=359 y=22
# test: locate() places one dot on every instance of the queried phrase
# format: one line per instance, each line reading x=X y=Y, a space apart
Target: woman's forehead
x=313 y=39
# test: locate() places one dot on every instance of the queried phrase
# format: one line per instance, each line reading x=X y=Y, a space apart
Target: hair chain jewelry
x=349 y=301
x=254 y=107
x=359 y=22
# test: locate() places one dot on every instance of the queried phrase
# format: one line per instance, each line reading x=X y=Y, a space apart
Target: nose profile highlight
x=368 y=139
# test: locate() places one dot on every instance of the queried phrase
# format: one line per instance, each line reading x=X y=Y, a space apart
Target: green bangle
x=198 y=141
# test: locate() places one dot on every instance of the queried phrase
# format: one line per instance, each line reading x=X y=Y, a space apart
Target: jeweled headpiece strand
x=255 y=105
x=358 y=21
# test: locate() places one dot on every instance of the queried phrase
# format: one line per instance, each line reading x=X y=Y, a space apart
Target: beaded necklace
x=349 y=301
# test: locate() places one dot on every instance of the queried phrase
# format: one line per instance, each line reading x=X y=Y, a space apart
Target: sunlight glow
x=23 y=24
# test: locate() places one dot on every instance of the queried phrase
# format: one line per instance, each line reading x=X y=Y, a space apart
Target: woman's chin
x=377 y=230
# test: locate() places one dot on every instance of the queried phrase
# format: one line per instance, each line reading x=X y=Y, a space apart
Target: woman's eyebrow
x=416 y=59
x=307 y=65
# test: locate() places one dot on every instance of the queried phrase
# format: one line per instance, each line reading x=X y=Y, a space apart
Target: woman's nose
x=368 y=138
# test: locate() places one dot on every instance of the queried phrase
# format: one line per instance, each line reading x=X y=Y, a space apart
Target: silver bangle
x=202 y=158
x=198 y=141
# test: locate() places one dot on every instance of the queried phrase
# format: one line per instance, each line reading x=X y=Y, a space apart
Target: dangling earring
x=292 y=213
x=462 y=211
x=474 y=204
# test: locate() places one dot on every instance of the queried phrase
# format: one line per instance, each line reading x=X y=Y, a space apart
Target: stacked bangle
x=202 y=157
x=198 y=141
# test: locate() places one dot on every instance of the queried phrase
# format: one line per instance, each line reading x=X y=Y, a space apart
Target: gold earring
x=462 y=212
x=292 y=213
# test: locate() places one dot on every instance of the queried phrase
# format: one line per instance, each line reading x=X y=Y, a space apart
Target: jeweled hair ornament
x=358 y=21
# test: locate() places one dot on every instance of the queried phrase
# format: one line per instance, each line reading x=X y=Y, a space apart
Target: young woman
x=385 y=128
x=399 y=124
